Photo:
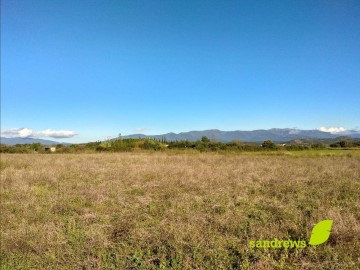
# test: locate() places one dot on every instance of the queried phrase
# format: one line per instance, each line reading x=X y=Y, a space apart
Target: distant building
x=50 y=149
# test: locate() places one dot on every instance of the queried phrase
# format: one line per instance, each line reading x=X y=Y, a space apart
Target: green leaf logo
x=321 y=232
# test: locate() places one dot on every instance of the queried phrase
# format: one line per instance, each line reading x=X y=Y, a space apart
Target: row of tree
x=345 y=144
x=205 y=144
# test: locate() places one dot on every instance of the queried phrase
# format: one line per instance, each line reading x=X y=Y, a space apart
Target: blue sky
x=99 y=68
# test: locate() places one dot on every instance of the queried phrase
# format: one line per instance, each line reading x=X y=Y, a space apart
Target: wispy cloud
x=333 y=129
x=140 y=129
x=27 y=133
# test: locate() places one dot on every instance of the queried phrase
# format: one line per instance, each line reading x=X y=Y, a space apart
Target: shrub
x=269 y=144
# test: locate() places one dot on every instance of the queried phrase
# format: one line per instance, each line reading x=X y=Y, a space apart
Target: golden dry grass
x=183 y=211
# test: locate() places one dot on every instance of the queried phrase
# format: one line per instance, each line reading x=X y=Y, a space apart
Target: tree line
x=204 y=144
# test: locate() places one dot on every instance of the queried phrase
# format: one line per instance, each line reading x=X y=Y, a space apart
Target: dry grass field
x=177 y=211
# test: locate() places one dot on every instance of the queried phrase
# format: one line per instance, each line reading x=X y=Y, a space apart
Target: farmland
x=178 y=210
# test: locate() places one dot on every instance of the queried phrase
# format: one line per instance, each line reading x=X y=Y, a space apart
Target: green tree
x=318 y=146
x=205 y=139
x=344 y=144
x=35 y=146
x=269 y=144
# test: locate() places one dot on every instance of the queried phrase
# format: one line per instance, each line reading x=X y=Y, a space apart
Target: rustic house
x=50 y=149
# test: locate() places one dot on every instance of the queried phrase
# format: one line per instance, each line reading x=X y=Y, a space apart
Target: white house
x=50 y=149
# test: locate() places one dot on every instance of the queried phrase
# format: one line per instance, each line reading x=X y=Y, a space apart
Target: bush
x=344 y=144
x=318 y=146
x=205 y=139
x=151 y=144
x=269 y=144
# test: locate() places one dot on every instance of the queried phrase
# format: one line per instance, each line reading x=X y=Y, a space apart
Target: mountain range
x=20 y=140
x=260 y=135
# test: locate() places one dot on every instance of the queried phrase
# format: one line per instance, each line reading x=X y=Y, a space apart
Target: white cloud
x=17 y=132
x=56 y=133
x=26 y=133
x=140 y=129
x=333 y=129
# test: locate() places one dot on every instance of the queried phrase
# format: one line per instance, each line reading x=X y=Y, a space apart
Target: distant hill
x=274 y=134
x=19 y=140
x=324 y=141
